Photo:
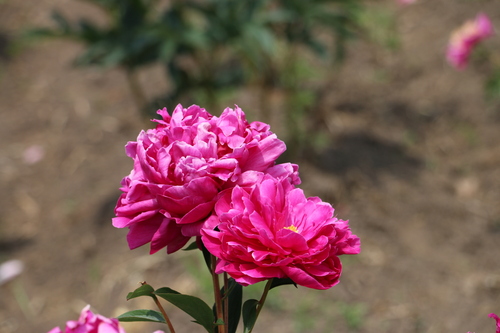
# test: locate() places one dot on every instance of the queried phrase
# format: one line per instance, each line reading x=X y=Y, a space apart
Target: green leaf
x=249 y=314
x=193 y=306
x=207 y=257
x=144 y=290
x=142 y=315
x=166 y=290
x=235 y=297
x=281 y=282
x=192 y=246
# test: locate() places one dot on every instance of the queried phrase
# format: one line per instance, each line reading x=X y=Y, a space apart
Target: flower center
x=292 y=227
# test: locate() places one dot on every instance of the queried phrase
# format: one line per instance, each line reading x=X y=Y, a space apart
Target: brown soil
x=412 y=160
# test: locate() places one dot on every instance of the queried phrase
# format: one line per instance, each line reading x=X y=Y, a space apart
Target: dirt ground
x=413 y=161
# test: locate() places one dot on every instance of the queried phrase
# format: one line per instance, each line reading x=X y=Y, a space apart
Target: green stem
x=217 y=296
x=226 y=302
x=262 y=301
x=169 y=323
x=22 y=299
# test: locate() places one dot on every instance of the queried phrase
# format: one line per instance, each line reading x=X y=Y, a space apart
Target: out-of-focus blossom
x=33 y=154
x=10 y=269
x=181 y=166
x=497 y=319
x=90 y=323
x=271 y=230
x=464 y=39
x=406 y=2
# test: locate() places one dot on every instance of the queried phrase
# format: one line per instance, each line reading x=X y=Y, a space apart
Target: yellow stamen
x=292 y=227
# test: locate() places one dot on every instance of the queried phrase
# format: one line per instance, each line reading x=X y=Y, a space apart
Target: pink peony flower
x=497 y=319
x=464 y=39
x=181 y=166
x=91 y=323
x=271 y=230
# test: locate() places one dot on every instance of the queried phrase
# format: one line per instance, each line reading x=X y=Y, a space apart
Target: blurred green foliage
x=492 y=85
x=381 y=26
x=208 y=44
x=353 y=314
x=212 y=48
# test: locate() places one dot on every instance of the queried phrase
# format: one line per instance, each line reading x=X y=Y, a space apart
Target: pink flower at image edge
x=465 y=38
x=497 y=319
x=91 y=323
x=271 y=230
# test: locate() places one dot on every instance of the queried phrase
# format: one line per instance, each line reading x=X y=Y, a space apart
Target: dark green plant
x=302 y=20
x=492 y=85
x=322 y=27
x=214 y=46
x=235 y=39
x=126 y=42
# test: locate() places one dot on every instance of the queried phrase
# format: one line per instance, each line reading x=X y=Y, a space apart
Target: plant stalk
x=160 y=307
x=217 y=296
x=262 y=301
x=226 y=302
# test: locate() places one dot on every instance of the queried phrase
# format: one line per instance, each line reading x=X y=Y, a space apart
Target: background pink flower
x=91 y=323
x=271 y=229
x=497 y=319
x=181 y=166
x=33 y=154
x=406 y=2
x=464 y=39
x=10 y=269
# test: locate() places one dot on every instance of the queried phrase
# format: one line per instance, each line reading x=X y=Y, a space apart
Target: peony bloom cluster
x=216 y=178
x=464 y=39
x=92 y=323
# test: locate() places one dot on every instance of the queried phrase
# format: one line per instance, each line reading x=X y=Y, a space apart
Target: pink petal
x=265 y=154
x=142 y=233
x=10 y=269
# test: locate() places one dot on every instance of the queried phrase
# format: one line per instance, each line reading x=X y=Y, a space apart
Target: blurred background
x=403 y=145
